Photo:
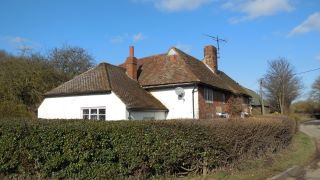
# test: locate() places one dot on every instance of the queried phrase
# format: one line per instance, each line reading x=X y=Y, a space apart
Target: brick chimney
x=131 y=64
x=210 y=58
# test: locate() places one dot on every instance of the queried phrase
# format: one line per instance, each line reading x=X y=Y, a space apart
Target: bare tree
x=71 y=60
x=315 y=92
x=24 y=50
x=281 y=85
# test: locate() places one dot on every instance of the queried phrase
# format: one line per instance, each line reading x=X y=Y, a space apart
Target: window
x=223 y=98
x=245 y=100
x=208 y=95
x=94 y=113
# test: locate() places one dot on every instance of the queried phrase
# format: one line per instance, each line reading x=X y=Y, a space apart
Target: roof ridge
x=188 y=57
x=180 y=51
x=155 y=55
x=242 y=88
x=186 y=64
x=92 y=80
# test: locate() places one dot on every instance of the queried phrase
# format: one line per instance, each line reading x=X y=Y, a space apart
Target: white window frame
x=91 y=115
x=208 y=95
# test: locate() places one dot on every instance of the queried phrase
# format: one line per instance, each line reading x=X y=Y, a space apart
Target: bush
x=93 y=149
x=12 y=109
x=306 y=107
x=234 y=106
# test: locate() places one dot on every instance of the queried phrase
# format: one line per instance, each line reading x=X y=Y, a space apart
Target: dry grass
x=300 y=152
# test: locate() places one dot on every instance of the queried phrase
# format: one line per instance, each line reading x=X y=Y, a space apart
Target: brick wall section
x=210 y=57
x=131 y=67
x=208 y=110
x=131 y=64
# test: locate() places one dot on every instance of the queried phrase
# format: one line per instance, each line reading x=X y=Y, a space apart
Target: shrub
x=234 y=106
x=93 y=149
x=12 y=109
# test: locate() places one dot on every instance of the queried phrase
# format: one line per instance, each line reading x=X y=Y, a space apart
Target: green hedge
x=92 y=149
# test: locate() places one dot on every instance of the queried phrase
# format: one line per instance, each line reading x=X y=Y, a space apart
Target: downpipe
x=193 y=91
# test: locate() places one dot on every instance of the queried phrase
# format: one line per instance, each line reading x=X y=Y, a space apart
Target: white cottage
x=172 y=85
x=105 y=93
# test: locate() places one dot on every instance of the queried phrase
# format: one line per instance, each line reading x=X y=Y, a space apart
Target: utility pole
x=217 y=39
x=261 y=97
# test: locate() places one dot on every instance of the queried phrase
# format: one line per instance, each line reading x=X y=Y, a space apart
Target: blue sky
x=257 y=31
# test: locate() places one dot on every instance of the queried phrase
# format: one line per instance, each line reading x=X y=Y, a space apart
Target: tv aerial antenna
x=218 y=40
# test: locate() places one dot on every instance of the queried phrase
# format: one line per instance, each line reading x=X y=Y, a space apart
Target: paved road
x=312 y=128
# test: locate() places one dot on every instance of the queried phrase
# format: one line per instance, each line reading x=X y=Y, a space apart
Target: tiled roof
x=256 y=99
x=94 y=80
x=106 y=78
x=164 y=69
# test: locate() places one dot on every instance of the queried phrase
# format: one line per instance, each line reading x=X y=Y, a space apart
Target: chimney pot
x=131 y=53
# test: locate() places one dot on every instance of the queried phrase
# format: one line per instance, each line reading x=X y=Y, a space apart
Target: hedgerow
x=93 y=149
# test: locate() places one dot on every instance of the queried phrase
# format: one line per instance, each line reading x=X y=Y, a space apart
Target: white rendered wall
x=178 y=108
x=141 y=115
x=69 y=107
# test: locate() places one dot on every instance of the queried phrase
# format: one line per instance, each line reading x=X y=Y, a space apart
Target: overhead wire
x=311 y=70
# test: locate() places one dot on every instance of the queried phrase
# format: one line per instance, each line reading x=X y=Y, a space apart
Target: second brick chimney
x=131 y=64
x=210 y=58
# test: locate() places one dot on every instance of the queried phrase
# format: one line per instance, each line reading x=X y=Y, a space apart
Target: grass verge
x=300 y=152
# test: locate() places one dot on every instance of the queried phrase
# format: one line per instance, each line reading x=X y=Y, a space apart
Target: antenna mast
x=218 y=40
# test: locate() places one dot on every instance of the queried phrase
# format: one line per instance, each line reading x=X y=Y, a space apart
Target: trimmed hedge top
x=93 y=149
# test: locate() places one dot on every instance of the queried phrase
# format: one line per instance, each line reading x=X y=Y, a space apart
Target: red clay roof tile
x=162 y=70
x=106 y=78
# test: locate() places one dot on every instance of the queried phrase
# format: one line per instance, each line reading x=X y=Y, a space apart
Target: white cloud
x=138 y=37
x=126 y=37
x=176 y=5
x=184 y=47
x=20 y=43
x=312 y=23
x=257 y=8
x=13 y=40
x=118 y=39
x=179 y=5
x=17 y=40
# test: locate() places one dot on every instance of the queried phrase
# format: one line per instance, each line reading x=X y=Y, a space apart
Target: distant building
x=173 y=85
x=256 y=103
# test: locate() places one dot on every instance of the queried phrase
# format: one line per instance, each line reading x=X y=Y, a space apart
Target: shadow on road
x=311 y=122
